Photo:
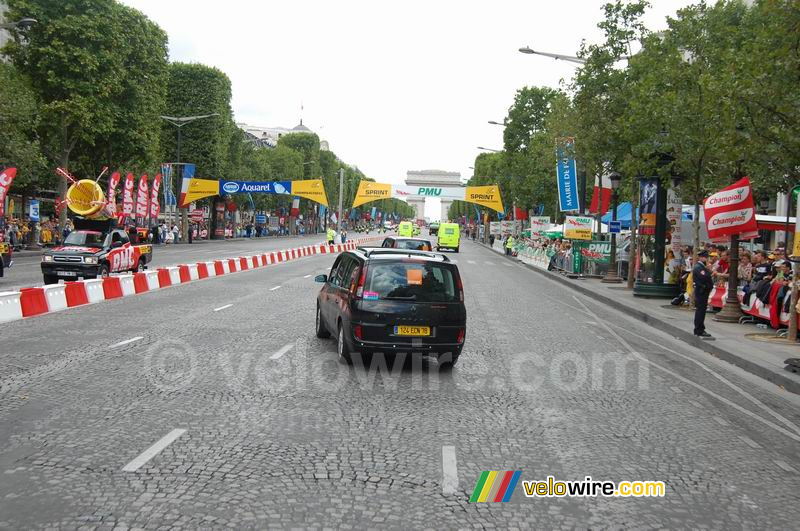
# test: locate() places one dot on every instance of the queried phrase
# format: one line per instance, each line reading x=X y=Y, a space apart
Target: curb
x=40 y=300
x=707 y=346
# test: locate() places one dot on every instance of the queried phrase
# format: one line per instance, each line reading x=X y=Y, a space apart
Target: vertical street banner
x=601 y=198
x=731 y=211
x=6 y=178
x=155 y=206
x=127 y=196
x=141 y=200
x=111 y=194
x=674 y=215
x=34 y=210
x=567 y=176
x=648 y=205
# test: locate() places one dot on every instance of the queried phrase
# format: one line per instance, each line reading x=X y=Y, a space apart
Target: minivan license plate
x=412 y=330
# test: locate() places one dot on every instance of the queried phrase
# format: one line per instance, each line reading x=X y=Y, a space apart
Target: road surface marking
x=489 y=263
x=721 y=421
x=470 y=261
x=749 y=442
x=284 y=349
x=273 y=289
x=695 y=403
x=306 y=276
x=507 y=264
x=449 y=470
x=676 y=389
x=784 y=465
x=153 y=451
x=223 y=307
x=127 y=341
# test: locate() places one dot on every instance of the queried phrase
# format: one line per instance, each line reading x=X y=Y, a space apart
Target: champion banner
x=127 y=196
x=567 y=176
x=488 y=196
x=111 y=196
x=142 y=198
x=6 y=178
x=154 y=204
x=194 y=189
x=731 y=211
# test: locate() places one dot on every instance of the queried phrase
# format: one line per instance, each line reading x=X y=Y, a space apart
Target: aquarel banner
x=194 y=189
x=488 y=196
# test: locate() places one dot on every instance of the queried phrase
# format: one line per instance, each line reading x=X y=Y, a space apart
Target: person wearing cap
x=701 y=280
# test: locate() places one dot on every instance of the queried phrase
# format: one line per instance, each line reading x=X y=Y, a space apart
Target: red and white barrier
x=29 y=302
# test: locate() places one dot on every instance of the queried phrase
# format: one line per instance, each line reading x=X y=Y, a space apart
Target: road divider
x=40 y=300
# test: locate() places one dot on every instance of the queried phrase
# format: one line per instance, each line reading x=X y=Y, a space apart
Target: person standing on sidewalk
x=701 y=278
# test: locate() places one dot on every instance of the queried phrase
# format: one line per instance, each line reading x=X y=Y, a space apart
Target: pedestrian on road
x=703 y=284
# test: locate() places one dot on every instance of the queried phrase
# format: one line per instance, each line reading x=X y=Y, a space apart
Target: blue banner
x=261 y=218
x=268 y=187
x=34 y=210
x=567 y=176
x=372 y=214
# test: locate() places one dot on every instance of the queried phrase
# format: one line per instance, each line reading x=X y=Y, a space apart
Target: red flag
x=154 y=204
x=127 y=196
x=602 y=195
x=141 y=198
x=111 y=195
x=6 y=178
x=731 y=211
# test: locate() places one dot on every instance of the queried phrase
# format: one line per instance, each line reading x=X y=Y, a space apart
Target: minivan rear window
x=449 y=230
x=414 y=245
x=412 y=281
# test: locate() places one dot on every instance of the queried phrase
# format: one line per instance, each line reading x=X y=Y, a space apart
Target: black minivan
x=381 y=301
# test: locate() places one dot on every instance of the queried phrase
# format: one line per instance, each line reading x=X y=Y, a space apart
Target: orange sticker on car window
x=414 y=277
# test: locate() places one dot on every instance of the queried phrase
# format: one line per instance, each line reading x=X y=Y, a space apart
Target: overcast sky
x=393 y=86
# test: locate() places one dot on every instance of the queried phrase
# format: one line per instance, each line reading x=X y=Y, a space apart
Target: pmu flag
x=127 y=196
x=6 y=178
x=111 y=195
x=142 y=198
x=155 y=206
x=731 y=211
x=494 y=486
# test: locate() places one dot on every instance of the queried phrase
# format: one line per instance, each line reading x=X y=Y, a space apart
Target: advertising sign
x=274 y=222
x=510 y=227
x=142 y=198
x=540 y=224
x=34 y=210
x=127 y=195
x=567 y=176
x=674 y=215
x=597 y=251
x=494 y=228
x=648 y=201
x=578 y=227
x=731 y=211
x=6 y=178
x=261 y=219
x=488 y=196
x=193 y=189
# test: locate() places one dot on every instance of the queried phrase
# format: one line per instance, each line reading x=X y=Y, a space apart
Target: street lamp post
x=21 y=24
x=611 y=274
x=179 y=122
x=490 y=149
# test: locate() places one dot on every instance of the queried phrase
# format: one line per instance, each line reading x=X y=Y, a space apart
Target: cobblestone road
x=278 y=434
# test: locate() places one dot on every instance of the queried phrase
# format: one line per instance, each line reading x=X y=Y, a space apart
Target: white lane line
x=306 y=276
x=223 y=307
x=721 y=421
x=695 y=403
x=749 y=442
x=273 y=289
x=449 y=470
x=127 y=341
x=784 y=465
x=153 y=451
x=283 y=350
x=507 y=264
x=489 y=263
x=676 y=389
x=470 y=261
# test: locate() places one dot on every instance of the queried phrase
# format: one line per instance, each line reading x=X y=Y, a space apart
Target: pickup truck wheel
x=50 y=279
x=102 y=271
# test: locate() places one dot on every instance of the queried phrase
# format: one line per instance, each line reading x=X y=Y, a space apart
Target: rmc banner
x=488 y=196
x=194 y=189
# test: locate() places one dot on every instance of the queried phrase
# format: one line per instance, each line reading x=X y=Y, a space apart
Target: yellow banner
x=196 y=189
x=488 y=196
x=312 y=189
x=796 y=251
x=369 y=191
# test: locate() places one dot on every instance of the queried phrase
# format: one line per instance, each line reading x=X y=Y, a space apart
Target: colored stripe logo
x=494 y=486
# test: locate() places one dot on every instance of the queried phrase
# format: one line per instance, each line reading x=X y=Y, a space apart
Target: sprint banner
x=488 y=196
x=194 y=189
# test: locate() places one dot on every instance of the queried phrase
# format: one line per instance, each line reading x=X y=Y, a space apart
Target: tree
x=83 y=60
x=19 y=117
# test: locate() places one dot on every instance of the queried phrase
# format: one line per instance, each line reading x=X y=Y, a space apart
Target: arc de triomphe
x=431 y=178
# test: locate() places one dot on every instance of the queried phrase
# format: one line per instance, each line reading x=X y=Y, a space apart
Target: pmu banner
x=142 y=197
x=488 y=196
x=578 y=227
x=731 y=211
x=111 y=195
x=567 y=176
x=194 y=189
x=6 y=178
x=127 y=196
x=154 y=204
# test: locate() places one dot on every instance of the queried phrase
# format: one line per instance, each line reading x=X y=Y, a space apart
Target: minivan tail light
x=460 y=288
x=357 y=332
x=362 y=279
x=461 y=334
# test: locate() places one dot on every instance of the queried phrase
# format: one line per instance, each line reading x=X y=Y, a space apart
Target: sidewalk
x=745 y=346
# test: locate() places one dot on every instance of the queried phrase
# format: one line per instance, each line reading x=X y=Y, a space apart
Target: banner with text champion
x=488 y=196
